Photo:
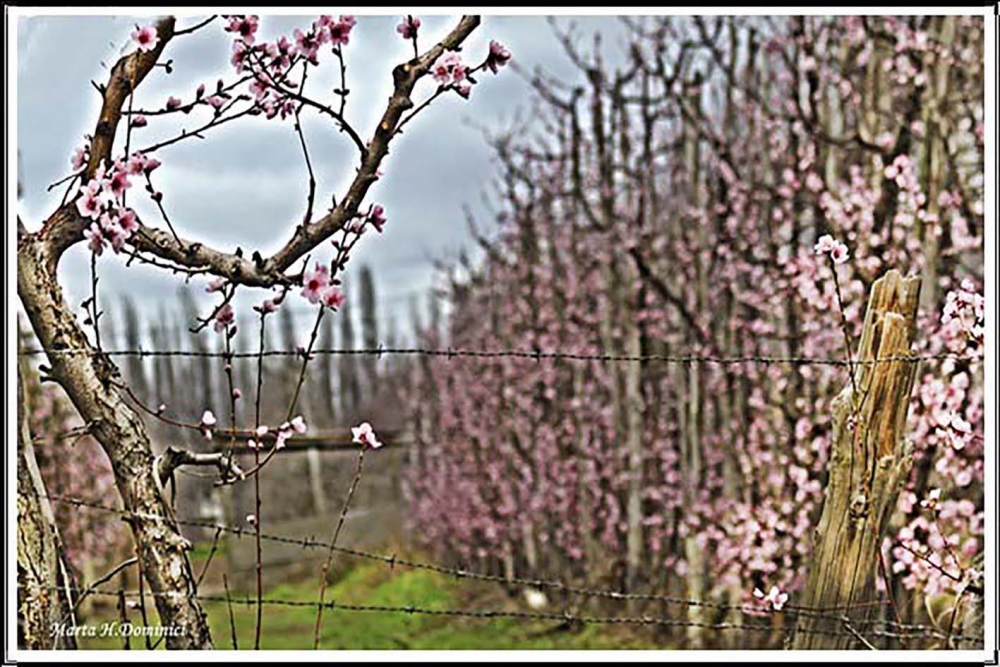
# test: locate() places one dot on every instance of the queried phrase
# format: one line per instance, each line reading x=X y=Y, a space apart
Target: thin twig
x=232 y=619
x=197 y=26
x=333 y=544
x=204 y=569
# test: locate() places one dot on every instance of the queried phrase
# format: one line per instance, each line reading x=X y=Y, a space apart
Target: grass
x=372 y=584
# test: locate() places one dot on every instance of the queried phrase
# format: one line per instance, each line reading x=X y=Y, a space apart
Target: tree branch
x=174 y=458
x=268 y=272
x=65 y=227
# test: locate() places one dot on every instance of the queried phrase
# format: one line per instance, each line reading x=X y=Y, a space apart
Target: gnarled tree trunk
x=44 y=600
x=90 y=382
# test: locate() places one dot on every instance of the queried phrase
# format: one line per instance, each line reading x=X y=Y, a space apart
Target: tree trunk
x=88 y=380
x=868 y=466
x=43 y=596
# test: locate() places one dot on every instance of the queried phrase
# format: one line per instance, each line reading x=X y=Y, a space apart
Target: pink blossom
x=364 y=435
x=774 y=597
x=146 y=38
x=119 y=183
x=237 y=393
x=269 y=306
x=116 y=236
x=307 y=45
x=259 y=89
x=448 y=68
x=261 y=431
x=332 y=297
x=140 y=164
x=824 y=245
x=408 y=27
x=173 y=103
x=251 y=519
x=828 y=245
x=314 y=282
x=89 y=205
x=127 y=221
x=298 y=424
x=208 y=419
x=217 y=101
x=932 y=500
x=139 y=121
x=839 y=254
x=238 y=59
x=135 y=164
x=498 y=56
x=215 y=285
x=95 y=236
x=224 y=318
x=377 y=218
x=79 y=158
x=282 y=436
x=244 y=27
x=340 y=32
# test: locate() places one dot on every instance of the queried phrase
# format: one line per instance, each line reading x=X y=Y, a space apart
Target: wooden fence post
x=870 y=460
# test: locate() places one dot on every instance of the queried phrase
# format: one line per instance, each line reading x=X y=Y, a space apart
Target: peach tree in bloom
x=115 y=205
x=723 y=188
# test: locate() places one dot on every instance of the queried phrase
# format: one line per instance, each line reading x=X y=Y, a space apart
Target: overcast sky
x=245 y=184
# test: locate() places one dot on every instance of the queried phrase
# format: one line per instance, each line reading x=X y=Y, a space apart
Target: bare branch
x=174 y=458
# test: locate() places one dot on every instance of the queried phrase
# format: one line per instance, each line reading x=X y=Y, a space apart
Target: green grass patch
x=291 y=627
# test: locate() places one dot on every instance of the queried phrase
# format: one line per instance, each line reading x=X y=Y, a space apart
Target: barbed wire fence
x=875 y=627
x=858 y=629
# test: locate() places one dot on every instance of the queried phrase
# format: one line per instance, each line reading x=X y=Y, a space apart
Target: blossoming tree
x=722 y=188
x=270 y=80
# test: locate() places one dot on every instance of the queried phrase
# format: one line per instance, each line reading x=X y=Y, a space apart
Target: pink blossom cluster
x=522 y=462
x=272 y=62
x=102 y=200
x=835 y=249
x=280 y=435
x=449 y=70
x=318 y=288
x=408 y=27
x=964 y=311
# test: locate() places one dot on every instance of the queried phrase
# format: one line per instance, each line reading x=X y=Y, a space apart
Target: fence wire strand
x=900 y=630
x=565 y=617
x=536 y=355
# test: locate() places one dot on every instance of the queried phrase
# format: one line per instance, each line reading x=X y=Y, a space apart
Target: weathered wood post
x=870 y=459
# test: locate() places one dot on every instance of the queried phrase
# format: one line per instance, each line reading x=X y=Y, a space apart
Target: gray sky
x=246 y=184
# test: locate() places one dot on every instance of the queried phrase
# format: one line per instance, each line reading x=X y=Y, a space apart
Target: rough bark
x=868 y=465
x=42 y=575
x=89 y=380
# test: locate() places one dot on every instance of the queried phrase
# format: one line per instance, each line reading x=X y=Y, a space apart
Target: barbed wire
x=558 y=586
x=536 y=355
x=564 y=617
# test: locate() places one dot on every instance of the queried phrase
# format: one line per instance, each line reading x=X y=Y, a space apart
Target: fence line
x=565 y=617
x=536 y=355
x=557 y=586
